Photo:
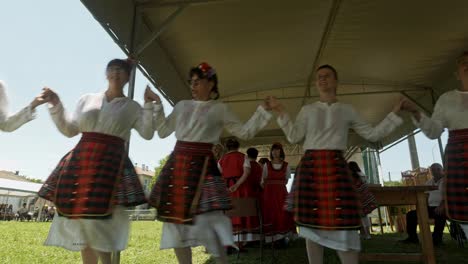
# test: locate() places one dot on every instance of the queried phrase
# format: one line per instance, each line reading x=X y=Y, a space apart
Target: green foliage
x=158 y=170
x=393 y=183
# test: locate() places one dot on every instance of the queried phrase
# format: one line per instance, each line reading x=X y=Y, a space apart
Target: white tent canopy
x=381 y=49
x=14 y=188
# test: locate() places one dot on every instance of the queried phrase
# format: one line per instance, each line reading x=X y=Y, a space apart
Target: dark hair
x=461 y=57
x=124 y=64
x=354 y=168
x=213 y=78
x=263 y=160
x=232 y=144
x=252 y=153
x=277 y=146
x=326 y=66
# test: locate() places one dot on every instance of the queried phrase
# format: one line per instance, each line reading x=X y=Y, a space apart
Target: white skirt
x=105 y=235
x=206 y=229
x=465 y=229
x=342 y=240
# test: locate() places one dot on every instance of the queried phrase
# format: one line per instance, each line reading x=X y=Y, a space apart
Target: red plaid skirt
x=456 y=157
x=189 y=184
x=93 y=177
x=323 y=195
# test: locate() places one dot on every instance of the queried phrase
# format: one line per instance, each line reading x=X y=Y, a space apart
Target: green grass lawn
x=21 y=242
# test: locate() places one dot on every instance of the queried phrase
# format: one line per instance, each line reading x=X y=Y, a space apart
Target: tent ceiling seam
x=323 y=42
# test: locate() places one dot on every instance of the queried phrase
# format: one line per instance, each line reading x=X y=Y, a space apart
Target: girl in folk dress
x=451 y=112
x=256 y=173
x=233 y=164
x=95 y=181
x=367 y=199
x=323 y=198
x=9 y=123
x=190 y=194
x=276 y=174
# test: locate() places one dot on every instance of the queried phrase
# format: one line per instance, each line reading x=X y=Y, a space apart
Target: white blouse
x=204 y=121
x=95 y=114
x=9 y=122
x=326 y=126
x=450 y=111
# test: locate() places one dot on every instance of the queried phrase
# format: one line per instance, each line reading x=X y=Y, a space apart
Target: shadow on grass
x=448 y=253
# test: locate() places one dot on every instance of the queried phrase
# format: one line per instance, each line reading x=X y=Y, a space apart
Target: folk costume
x=323 y=198
x=279 y=223
x=190 y=194
x=95 y=181
x=451 y=112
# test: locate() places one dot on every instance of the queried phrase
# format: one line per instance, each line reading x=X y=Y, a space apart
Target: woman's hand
x=151 y=96
x=234 y=187
x=274 y=104
x=50 y=96
x=408 y=106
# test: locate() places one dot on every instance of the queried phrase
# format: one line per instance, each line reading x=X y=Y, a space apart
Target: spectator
x=436 y=209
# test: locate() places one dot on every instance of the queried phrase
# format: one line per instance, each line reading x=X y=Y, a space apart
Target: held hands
x=272 y=104
x=151 y=96
x=46 y=96
x=38 y=100
x=408 y=106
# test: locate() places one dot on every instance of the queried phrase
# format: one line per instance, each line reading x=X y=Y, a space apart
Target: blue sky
x=58 y=44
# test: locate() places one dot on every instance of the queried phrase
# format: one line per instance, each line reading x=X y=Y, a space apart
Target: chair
x=247 y=207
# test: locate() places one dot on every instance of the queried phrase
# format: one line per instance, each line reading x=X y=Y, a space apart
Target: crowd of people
x=45 y=214
x=95 y=181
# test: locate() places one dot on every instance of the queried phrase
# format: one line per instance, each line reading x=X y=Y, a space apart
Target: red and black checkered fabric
x=93 y=177
x=456 y=158
x=174 y=194
x=367 y=199
x=323 y=195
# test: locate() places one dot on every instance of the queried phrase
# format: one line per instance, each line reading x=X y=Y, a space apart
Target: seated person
x=436 y=209
x=23 y=213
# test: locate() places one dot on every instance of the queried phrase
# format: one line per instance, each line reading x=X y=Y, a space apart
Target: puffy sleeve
x=164 y=125
x=371 y=133
x=246 y=163
x=67 y=124
x=264 y=172
x=9 y=123
x=433 y=126
x=288 y=172
x=144 y=121
x=294 y=131
x=259 y=120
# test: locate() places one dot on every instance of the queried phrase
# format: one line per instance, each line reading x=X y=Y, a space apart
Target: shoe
x=231 y=250
x=410 y=240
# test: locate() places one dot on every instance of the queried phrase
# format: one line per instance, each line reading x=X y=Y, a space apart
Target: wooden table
x=407 y=195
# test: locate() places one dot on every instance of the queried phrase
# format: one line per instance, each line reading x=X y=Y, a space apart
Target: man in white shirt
x=436 y=209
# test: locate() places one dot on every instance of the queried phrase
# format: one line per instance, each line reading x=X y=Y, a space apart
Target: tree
x=158 y=169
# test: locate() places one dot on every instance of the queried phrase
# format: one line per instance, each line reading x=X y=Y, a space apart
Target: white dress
x=325 y=127
x=451 y=112
x=9 y=123
x=204 y=121
x=116 y=118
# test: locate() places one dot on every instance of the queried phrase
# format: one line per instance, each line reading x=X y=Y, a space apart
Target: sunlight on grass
x=21 y=242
